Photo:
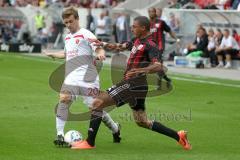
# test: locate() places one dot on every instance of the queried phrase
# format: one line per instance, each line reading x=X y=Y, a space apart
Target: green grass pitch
x=209 y=112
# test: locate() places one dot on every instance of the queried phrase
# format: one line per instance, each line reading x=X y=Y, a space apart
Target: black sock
x=157 y=127
x=166 y=78
x=95 y=121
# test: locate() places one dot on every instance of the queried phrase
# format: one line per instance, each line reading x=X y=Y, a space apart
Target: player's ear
x=143 y=28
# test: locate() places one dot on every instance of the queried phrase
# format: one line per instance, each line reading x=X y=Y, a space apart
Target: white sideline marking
x=206 y=82
x=173 y=77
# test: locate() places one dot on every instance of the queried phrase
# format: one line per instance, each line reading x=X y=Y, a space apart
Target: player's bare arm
x=173 y=35
x=109 y=46
x=59 y=54
x=153 y=68
x=116 y=46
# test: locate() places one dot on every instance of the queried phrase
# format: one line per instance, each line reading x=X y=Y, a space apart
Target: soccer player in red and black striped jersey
x=144 y=59
x=157 y=28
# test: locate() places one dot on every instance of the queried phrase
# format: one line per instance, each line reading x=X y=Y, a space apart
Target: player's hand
x=101 y=56
x=135 y=72
x=48 y=54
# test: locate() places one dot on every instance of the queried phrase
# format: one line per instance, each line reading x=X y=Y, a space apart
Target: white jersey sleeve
x=88 y=35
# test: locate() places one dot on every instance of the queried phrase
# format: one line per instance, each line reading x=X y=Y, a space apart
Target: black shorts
x=231 y=52
x=132 y=91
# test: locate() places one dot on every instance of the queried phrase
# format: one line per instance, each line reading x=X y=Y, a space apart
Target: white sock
x=107 y=120
x=60 y=126
x=221 y=63
x=228 y=63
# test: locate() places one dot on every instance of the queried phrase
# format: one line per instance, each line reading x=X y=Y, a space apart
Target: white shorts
x=77 y=86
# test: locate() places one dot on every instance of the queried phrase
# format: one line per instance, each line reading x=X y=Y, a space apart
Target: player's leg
x=88 y=97
x=229 y=54
x=141 y=119
x=96 y=117
x=220 y=59
x=113 y=126
x=65 y=100
x=117 y=95
x=228 y=61
x=162 y=75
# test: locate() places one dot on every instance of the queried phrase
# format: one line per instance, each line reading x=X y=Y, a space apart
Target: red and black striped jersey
x=143 y=53
x=157 y=29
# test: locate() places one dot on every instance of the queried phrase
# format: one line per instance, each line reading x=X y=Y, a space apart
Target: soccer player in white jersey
x=81 y=77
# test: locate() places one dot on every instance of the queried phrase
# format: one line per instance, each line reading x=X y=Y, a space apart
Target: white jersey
x=78 y=44
x=229 y=42
x=79 y=55
x=81 y=77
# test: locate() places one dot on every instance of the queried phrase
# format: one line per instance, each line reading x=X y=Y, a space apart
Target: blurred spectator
x=66 y=3
x=2 y=3
x=44 y=37
x=174 y=4
x=236 y=36
x=1 y=24
x=199 y=26
x=57 y=27
x=235 y=4
x=73 y=3
x=21 y=3
x=100 y=3
x=218 y=37
x=205 y=3
x=114 y=27
x=42 y=3
x=23 y=35
x=200 y=43
x=34 y=3
x=7 y=34
x=122 y=28
x=159 y=15
x=85 y=3
x=91 y=24
x=108 y=26
x=101 y=28
x=220 y=4
x=211 y=48
x=174 y=23
x=9 y=29
x=114 y=3
x=39 y=21
x=228 y=48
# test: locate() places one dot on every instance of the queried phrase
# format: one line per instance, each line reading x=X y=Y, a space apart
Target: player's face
x=152 y=13
x=226 y=34
x=159 y=12
x=137 y=29
x=71 y=23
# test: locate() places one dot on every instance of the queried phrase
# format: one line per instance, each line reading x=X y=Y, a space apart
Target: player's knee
x=97 y=103
x=65 y=97
x=143 y=124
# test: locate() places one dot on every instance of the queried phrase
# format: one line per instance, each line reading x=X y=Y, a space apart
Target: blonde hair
x=70 y=11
